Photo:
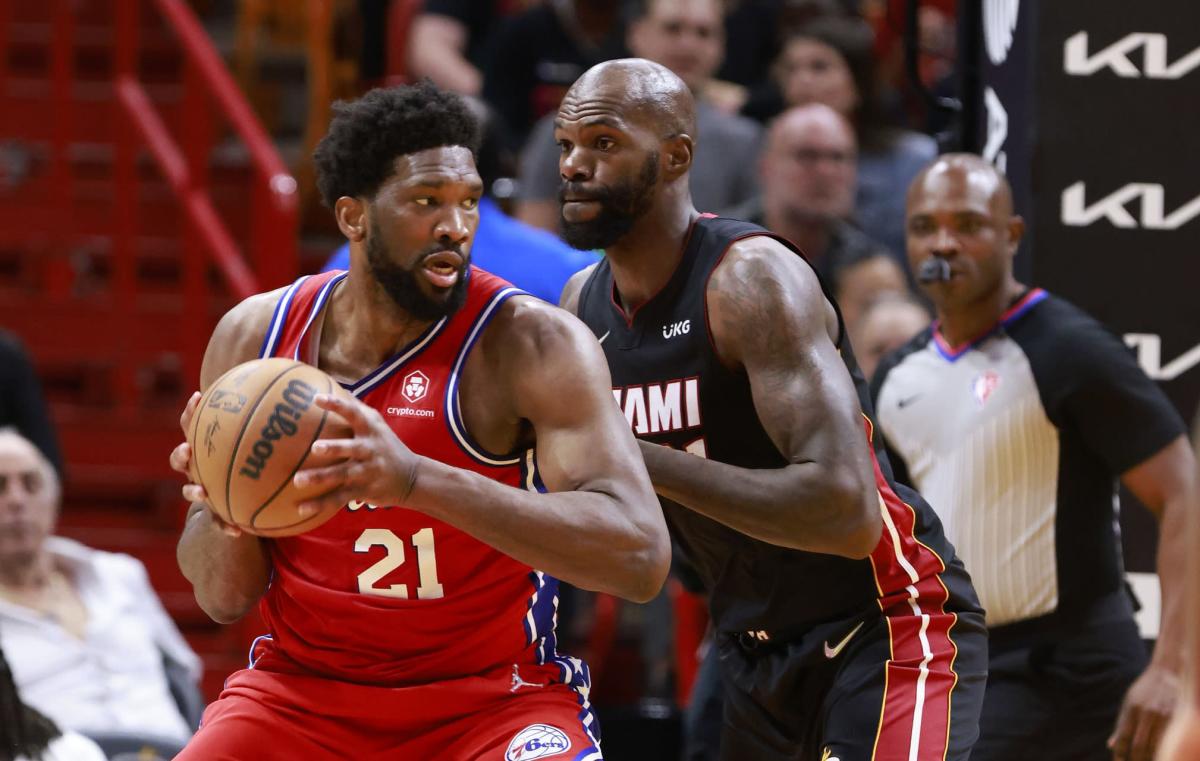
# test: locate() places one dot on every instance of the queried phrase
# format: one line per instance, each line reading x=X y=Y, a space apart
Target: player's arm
x=600 y=526
x=768 y=317
x=228 y=570
x=1166 y=484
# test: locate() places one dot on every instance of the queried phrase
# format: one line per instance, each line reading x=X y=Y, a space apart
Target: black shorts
x=868 y=688
x=1055 y=692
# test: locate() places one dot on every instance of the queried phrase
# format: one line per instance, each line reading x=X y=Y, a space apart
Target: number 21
x=429 y=589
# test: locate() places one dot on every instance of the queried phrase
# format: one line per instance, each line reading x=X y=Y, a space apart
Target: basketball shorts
x=875 y=687
x=510 y=715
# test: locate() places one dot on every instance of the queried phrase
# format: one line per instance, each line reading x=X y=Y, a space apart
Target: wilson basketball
x=252 y=431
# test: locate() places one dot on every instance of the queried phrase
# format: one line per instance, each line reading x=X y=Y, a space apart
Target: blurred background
x=155 y=169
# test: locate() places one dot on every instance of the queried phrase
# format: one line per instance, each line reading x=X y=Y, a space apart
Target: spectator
x=830 y=61
x=27 y=735
x=86 y=633
x=687 y=37
x=862 y=282
x=21 y=403
x=538 y=54
x=531 y=259
x=806 y=173
x=448 y=42
x=886 y=324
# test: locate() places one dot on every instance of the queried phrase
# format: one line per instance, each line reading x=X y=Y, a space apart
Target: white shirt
x=70 y=747
x=113 y=679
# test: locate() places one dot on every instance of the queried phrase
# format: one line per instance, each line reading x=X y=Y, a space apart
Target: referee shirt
x=1017 y=439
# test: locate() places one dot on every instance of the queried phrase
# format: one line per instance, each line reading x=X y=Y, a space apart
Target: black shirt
x=675 y=391
x=1017 y=439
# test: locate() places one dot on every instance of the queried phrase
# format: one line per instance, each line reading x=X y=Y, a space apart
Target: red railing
x=208 y=90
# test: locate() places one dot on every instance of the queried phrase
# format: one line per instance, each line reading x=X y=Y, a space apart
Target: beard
x=621 y=206
x=402 y=286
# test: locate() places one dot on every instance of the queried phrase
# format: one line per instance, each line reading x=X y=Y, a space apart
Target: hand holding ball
x=252 y=431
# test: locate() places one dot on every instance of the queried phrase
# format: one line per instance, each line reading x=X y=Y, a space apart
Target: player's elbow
x=643 y=570
x=857 y=526
x=224 y=608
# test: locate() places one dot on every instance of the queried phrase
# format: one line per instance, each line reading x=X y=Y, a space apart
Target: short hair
x=854 y=40
x=367 y=135
x=51 y=475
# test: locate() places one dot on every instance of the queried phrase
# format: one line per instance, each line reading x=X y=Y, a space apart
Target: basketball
x=252 y=432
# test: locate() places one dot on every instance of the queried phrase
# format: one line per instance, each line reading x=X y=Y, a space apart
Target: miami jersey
x=381 y=594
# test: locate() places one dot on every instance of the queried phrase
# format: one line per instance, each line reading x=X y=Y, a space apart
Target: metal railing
x=209 y=91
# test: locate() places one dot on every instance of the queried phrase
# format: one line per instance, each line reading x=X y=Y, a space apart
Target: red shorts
x=265 y=714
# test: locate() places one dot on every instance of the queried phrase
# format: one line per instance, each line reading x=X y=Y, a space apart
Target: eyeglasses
x=812 y=157
x=32 y=482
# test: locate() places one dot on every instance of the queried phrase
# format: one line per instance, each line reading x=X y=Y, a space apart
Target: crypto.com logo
x=1077 y=62
x=1153 y=215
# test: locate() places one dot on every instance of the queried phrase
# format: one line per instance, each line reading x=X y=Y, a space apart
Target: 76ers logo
x=416 y=385
x=537 y=741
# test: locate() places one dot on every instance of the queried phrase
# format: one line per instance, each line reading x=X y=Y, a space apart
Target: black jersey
x=675 y=391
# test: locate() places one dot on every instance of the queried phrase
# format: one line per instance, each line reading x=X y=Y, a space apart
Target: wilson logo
x=297 y=398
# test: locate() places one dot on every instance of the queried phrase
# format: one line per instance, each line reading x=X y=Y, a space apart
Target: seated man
x=84 y=632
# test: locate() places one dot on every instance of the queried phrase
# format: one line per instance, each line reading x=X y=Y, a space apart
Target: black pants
x=1057 y=696
x=897 y=684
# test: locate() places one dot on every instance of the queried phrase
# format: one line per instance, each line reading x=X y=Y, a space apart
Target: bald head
x=960 y=210
x=965 y=172
x=640 y=90
x=808 y=167
x=810 y=119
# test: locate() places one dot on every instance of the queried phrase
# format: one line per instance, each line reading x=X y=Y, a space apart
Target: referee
x=1015 y=414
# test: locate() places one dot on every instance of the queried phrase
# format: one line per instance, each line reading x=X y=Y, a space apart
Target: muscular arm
x=1166 y=484
x=228 y=574
x=600 y=527
x=769 y=317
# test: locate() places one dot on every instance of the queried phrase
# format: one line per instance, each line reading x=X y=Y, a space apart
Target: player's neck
x=970 y=321
x=644 y=260
x=365 y=326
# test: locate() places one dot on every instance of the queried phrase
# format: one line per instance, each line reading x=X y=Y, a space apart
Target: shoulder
x=239 y=334
x=531 y=347
x=1057 y=331
x=112 y=567
x=897 y=357
x=761 y=293
x=529 y=327
x=574 y=288
x=762 y=261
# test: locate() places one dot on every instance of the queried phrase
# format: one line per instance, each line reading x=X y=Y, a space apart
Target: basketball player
x=846 y=627
x=487 y=461
x=1016 y=414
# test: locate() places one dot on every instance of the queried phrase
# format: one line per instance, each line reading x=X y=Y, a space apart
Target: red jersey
x=384 y=595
